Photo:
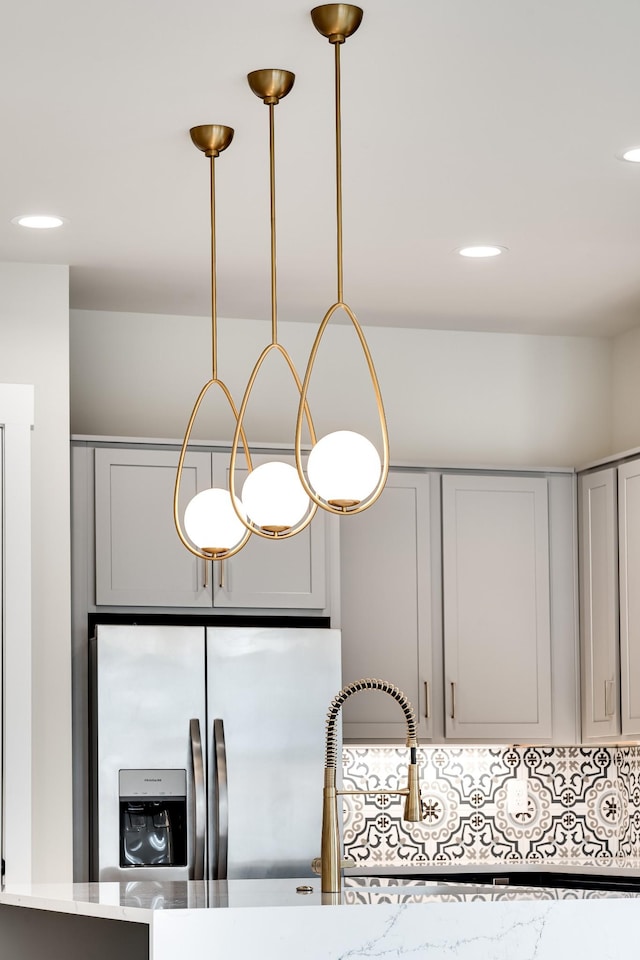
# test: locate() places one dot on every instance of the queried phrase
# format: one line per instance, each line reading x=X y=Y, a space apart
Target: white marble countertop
x=401 y=920
x=138 y=901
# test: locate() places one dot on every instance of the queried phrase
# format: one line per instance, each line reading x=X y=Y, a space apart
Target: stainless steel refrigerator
x=208 y=750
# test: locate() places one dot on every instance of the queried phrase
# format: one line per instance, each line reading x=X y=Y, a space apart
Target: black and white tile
x=584 y=805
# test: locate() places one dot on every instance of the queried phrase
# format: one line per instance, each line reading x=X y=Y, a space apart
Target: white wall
x=626 y=391
x=451 y=397
x=34 y=348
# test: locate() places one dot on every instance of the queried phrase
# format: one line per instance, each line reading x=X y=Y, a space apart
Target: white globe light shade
x=211 y=522
x=344 y=468
x=273 y=496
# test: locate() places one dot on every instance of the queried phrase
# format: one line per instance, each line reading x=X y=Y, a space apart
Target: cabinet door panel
x=599 y=603
x=385 y=590
x=140 y=560
x=629 y=559
x=289 y=574
x=496 y=607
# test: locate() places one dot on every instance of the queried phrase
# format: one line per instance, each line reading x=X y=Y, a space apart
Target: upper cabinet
x=458 y=587
x=461 y=589
x=598 y=534
x=139 y=558
x=140 y=561
x=629 y=567
x=386 y=608
x=286 y=573
x=497 y=652
x=610 y=609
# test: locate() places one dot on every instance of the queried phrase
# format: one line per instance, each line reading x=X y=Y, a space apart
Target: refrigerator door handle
x=221 y=802
x=199 y=801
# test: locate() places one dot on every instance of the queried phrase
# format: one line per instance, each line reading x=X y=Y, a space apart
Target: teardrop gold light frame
x=337 y=22
x=211 y=139
x=270 y=85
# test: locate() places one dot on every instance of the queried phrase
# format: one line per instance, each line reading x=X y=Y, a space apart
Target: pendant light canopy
x=274 y=503
x=212 y=519
x=346 y=473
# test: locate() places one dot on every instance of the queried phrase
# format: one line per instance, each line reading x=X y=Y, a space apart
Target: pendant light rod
x=212 y=139
x=271 y=86
x=340 y=273
x=336 y=22
x=272 y=193
x=214 y=292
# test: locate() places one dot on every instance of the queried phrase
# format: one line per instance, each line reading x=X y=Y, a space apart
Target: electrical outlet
x=517 y=795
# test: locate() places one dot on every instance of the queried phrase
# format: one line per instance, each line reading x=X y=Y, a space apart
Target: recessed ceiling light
x=488 y=250
x=632 y=155
x=38 y=221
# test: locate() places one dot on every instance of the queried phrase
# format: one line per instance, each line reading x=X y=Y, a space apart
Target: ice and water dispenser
x=153 y=818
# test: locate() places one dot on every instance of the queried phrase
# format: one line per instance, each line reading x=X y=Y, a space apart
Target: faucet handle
x=316 y=865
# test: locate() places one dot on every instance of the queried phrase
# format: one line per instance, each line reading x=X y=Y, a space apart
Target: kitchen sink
x=522 y=878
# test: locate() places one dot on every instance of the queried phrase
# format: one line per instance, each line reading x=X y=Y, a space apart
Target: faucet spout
x=331 y=863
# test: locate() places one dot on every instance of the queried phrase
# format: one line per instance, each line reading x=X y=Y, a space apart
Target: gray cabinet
x=140 y=561
x=598 y=534
x=286 y=574
x=629 y=572
x=497 y=653
x=461 y=588
x=609 y=601
x=386 y=608
x=139 y=558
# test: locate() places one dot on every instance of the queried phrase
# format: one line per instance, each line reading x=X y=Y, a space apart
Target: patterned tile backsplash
x=583 y=806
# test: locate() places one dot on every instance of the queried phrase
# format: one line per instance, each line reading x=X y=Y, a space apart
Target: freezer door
x=268 y=694
x=149 y=753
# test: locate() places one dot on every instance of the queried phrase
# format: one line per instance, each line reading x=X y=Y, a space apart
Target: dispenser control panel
x=152 y=783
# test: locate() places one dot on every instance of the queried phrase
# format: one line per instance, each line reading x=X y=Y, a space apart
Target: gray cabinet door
x=386 y=608
x=289 y=574
x=629 y=564
x=496 y=607
x=140 y=560
x=598 y=535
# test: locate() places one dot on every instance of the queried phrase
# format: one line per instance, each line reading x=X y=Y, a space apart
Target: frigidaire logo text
x=153 y=779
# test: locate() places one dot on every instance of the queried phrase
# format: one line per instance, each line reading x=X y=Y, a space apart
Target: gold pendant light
x=211 y=520
x=345 y=472
x=274 y=503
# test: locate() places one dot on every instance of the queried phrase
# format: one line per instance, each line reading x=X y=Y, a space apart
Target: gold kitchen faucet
x=330 y=862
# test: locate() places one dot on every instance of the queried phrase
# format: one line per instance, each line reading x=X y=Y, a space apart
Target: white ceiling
x=465 y=121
